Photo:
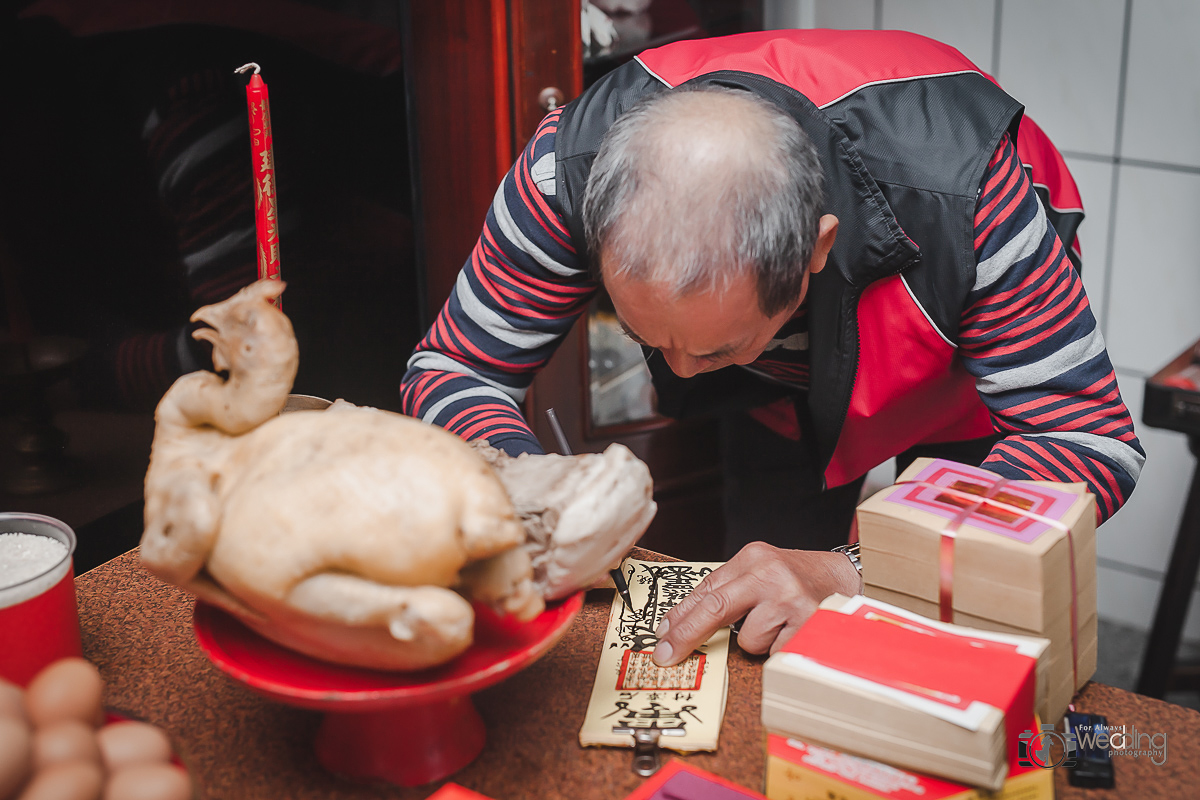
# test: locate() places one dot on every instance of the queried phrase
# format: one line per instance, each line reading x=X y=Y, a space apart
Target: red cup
x=39 y=621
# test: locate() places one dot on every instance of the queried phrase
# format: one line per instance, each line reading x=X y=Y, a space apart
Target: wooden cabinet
x=480 y=73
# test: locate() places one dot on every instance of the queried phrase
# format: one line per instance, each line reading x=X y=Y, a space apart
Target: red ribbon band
x=946 y=552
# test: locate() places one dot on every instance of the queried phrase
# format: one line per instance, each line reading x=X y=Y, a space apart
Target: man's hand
x=776 y=590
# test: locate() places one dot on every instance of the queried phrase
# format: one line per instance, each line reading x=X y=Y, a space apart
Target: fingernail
x=662 y=628
x=662 y=654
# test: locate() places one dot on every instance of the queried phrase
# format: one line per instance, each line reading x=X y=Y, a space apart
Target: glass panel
x=619 y=381
x=616 y=30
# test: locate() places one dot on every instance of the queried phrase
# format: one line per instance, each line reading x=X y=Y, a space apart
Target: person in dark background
x=126 y=194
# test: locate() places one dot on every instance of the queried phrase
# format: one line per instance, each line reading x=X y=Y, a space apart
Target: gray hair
x=695 y=186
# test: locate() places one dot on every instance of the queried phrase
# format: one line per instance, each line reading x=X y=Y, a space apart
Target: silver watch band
x=850 y=551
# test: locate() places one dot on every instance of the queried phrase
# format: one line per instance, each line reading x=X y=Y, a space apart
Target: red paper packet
x=678 y=780
x=452 y=791
x=812 y=769
x=893 y=650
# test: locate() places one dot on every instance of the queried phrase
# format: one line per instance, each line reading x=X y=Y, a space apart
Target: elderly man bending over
x=828 y=238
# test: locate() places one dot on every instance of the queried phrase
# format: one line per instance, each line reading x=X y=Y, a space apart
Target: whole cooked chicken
x=357 y=535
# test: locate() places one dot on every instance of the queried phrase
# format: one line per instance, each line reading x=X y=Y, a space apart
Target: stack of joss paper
x=798 y=770
x=961 y=544
x=878 y=682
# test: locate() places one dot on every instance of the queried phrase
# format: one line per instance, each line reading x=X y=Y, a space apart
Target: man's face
x=699 y=332
x=705 y=331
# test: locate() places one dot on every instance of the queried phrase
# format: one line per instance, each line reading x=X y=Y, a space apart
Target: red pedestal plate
x=407 y=728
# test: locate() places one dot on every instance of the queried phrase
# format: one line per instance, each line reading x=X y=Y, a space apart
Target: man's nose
x=682 y=364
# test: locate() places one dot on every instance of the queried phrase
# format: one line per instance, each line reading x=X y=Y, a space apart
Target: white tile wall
x=1191 y=631
x=838 y=14
x=1154 y=310
x=845 y=15
x=964 y=24
x=1125 y=598
x=787 y=14
x=1131 y=599
x=1162 y=106
x=879 y=478
x=1063 y=60
x=1142 y=533
x=1094 y=179
x=1066 y=61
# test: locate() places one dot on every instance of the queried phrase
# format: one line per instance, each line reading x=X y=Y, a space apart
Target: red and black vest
x=904 y=127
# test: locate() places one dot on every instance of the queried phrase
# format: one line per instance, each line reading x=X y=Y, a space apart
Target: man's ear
x=826 y=235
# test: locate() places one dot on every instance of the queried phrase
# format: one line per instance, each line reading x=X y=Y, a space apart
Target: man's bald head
x=693 y=187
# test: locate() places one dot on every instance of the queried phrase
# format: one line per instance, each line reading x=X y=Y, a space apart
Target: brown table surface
x=138 y=631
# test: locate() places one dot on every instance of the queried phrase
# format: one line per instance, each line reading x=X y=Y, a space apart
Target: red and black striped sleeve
x=1029 y=338
x=515 y=299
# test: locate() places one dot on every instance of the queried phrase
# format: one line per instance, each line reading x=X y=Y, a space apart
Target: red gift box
x=962 y=544
x=678 y=780
x=877 y=681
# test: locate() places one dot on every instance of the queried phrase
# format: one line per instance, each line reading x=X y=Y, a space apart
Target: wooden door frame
x=460 y=112
x=475 y=70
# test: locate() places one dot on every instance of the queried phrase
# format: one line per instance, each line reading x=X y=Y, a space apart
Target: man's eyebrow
x=629 y=331
x=724 y=351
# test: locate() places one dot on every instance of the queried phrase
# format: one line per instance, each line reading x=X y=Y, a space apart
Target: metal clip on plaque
x=646 y=760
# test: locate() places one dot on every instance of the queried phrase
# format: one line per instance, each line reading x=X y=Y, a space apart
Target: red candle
x=266 y=212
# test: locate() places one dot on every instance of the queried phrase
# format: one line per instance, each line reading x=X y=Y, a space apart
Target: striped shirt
x=1027 y=334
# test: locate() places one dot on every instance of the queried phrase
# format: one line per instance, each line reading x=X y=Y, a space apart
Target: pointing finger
x=694 y=625
x=716 y=579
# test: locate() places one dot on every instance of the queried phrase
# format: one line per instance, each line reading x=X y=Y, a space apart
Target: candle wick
x=245 y=67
